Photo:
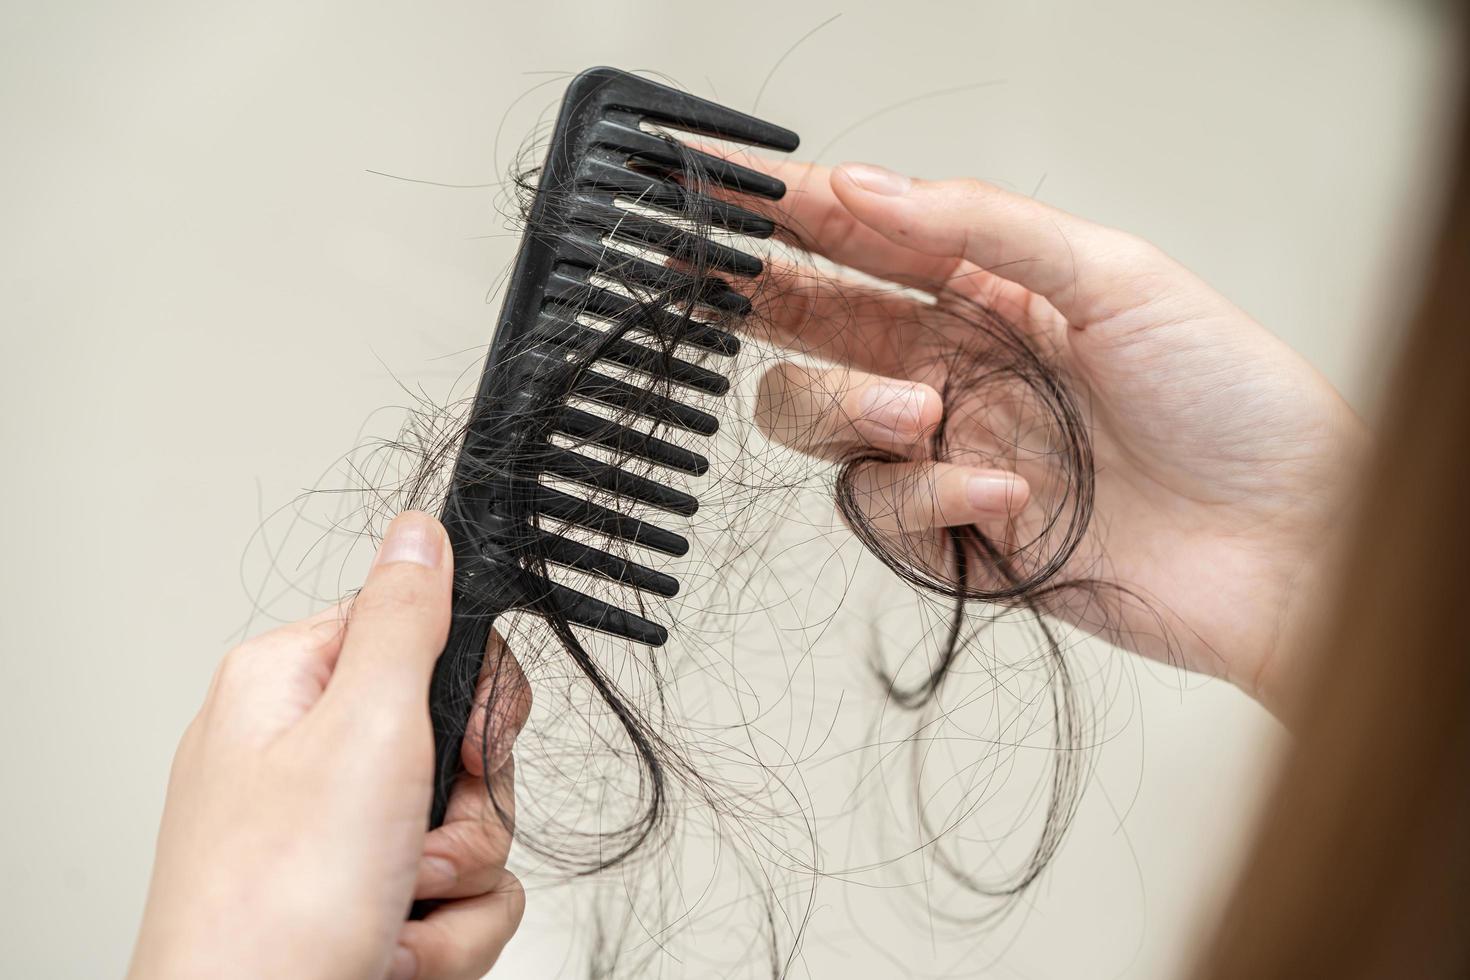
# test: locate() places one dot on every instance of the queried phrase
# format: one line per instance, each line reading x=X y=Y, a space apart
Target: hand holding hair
x=1216 y=446
x=301 y=789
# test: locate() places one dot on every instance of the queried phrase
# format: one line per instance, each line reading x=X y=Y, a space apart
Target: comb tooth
x=674 y=242
x=729 y=175
x=512 y=536
x=612 y=436
x=582 y=295
x=615 y=437
x=590 y=253
x=583 y=610
x=618 y=89
x=710 y=119
x=620 y=395
x=654 y=149
x=585 y=558
x=605 y=476
x=718 y=294
x=665 y=194
x=631 y=355
x=742 y=180
x=613 y=393
x=584 y=513
x=535 y=593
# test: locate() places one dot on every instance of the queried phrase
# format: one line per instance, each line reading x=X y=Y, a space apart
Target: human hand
x=293 y=835
x=1219 y=452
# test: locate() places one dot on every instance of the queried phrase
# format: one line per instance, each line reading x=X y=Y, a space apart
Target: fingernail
x=899 y=408
x=412 y=537
x=405 y=964
x=436 y=876
x=997 y=492
x=876 y=180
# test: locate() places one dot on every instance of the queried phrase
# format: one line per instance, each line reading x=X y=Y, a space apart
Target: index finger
x=959 y=235
x=813 y=218
x=1088 y=272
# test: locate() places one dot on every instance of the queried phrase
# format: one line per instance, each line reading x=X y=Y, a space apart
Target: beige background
x=205 y=293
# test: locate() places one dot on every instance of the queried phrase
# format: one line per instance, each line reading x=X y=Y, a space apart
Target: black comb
x=546 y=351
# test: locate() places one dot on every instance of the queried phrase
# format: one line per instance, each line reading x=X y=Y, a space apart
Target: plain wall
x=206 y=291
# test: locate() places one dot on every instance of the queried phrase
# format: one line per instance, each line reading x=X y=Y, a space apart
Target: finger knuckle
x=1133 y=251
x=972 y=188
x=514 y=895
x=509 y=690
x=242 y=665
x=518 y=700
x=484 y=844
x=403 y=732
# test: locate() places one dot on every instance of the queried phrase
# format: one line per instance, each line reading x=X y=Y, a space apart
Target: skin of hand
x=294 y=831
x=1220 y=452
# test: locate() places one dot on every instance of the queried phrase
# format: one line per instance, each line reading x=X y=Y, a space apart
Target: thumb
x=399 y=621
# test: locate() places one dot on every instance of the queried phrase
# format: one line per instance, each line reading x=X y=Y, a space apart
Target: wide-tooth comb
x=557 y=312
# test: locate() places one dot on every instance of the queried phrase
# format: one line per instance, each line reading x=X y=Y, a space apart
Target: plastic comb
x=600 y=312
